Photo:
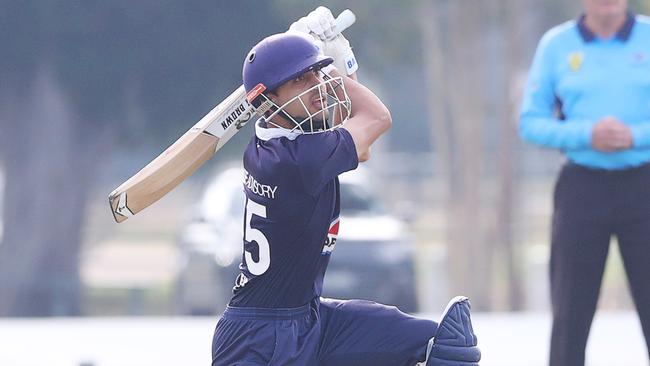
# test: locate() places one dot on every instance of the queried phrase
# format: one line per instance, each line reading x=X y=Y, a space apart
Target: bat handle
x=344 y=20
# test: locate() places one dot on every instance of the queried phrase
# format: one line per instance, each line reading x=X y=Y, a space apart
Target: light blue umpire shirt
x=577 y=78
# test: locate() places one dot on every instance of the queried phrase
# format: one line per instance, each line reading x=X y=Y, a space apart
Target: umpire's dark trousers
x=591 y=206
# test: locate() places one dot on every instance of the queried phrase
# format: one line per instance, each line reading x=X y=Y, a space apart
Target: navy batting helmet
x=283 y=57
x=279 y=58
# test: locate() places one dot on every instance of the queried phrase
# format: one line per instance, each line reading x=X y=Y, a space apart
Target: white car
x=373 y=258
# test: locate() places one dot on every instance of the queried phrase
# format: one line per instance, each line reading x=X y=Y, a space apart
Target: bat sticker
x=122 y=209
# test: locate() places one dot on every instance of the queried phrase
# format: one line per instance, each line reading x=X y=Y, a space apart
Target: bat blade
x=182 y=158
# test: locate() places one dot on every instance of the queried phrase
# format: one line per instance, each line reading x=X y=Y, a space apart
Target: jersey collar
x=265 y=134
x=622 y=35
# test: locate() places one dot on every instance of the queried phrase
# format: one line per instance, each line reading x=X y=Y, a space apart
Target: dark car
x=373 y=258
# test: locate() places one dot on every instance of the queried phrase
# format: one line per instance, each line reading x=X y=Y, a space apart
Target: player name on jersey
x=263 y=190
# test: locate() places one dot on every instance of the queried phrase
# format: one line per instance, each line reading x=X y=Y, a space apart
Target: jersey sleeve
x=641 y=135
x=323 y=156
x=537 y=123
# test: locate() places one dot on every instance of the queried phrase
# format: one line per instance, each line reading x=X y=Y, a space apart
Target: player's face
x=313 y=102
x=605 y=8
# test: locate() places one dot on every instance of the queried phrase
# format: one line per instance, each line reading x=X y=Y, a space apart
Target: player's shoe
x=454 y=343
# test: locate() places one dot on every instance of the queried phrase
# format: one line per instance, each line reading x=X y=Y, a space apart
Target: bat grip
x=344 y=21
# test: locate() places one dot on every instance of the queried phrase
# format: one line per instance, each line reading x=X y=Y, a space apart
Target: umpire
x=588 y=95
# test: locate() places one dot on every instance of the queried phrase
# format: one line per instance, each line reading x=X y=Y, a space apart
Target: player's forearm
x=365 y=156
x=369 y=119
x=368 y=111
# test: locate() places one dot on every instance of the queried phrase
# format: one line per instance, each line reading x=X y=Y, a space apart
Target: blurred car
x=373 y=258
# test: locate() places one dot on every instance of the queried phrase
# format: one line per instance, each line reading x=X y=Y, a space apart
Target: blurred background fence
x=90 y=91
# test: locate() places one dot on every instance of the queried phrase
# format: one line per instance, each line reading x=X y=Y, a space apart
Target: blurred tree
x=640 y=6
x=507 y=255
x=455 y=107
x=472 y=59
x=72 y=72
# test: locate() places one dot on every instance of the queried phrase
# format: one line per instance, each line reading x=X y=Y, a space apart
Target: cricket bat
x=190 y=151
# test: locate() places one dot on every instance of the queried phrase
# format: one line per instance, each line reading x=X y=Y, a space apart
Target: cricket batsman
x=317 y=122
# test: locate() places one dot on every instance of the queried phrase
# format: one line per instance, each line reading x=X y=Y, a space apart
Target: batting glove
x=321 y=26
x=339 y=49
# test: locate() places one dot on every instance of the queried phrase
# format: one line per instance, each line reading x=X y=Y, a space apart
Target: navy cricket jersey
x=292 y=214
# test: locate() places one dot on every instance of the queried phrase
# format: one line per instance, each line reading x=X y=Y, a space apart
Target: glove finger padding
x=315 y=27
x=300 y=25
x=328 y=29
x=327 y=22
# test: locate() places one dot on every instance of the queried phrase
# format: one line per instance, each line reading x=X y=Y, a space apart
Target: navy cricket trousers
x=591 y=206
x=323 y=332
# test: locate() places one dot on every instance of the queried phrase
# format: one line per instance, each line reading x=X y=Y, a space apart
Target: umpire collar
x=623 y=34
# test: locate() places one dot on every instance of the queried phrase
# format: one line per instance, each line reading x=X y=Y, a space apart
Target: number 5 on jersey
x=251 y=234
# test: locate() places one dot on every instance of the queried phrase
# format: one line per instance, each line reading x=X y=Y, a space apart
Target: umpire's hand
x=610 y=134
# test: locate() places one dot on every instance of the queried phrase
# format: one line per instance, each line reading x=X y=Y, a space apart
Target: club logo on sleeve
x=332 y=234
